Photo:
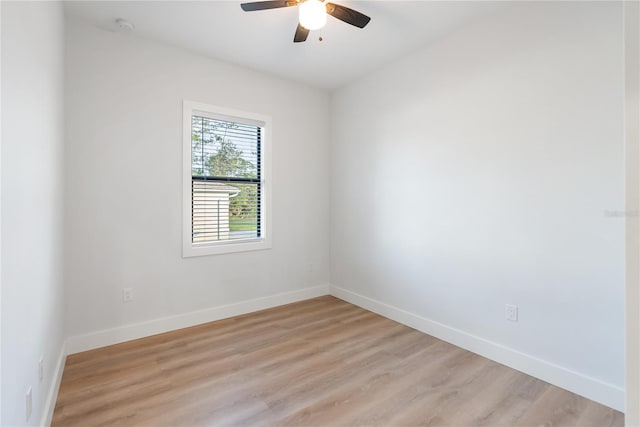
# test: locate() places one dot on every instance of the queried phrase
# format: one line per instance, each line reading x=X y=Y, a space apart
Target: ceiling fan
x=312 y=13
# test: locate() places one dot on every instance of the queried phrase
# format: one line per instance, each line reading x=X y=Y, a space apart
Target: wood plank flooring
x=320 y=362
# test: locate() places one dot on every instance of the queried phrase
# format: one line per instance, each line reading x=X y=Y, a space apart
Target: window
x=226 y=159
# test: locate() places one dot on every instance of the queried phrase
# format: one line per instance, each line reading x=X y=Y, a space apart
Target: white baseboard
x=591 y=388
x=52 y=396
x=79 y=343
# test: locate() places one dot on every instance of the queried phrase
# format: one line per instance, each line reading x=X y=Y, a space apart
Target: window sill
x=193 y=250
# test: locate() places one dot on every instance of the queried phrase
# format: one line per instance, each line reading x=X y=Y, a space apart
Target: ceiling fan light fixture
x=313 y=14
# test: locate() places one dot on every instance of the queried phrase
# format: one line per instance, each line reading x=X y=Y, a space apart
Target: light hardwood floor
x=320 y=362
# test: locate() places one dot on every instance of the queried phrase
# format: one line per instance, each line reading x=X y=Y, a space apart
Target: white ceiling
x=263 y=40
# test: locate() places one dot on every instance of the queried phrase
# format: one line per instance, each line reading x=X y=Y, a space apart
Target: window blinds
x=225 y=180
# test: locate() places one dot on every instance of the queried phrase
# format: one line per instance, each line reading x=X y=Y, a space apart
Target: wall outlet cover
x=28 y=403
x=127 y=294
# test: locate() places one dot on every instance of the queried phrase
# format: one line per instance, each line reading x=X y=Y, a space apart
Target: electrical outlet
x=41 y=368
x=28 y=403
x=511 y=312
x=127 y=294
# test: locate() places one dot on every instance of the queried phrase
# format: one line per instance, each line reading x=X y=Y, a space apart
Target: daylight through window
x=225 y=180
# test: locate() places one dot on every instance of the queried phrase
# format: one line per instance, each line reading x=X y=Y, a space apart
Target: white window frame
x=190 y=249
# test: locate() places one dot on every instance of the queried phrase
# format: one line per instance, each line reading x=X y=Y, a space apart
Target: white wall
x=32 y=203
x=488 y=169
x=632 y=202
x=124 y=183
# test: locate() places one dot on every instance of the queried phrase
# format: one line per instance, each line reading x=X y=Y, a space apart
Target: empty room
x=319 y=213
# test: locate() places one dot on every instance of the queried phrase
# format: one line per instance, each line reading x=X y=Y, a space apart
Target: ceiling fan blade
x=347 y=15
x=264 y=5
x=301 y=34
